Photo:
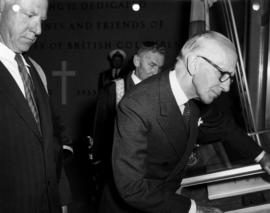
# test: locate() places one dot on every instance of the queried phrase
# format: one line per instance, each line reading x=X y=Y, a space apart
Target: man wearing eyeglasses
x=158 y=123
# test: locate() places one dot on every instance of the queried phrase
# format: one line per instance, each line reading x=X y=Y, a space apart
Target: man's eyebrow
x=153 y=63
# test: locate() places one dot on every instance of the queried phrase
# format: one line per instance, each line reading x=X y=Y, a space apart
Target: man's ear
x=136 y=60
x=192 y=61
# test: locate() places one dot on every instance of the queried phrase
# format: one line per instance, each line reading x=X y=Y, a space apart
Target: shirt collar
x=9 y=55
x=178 y=92
x=6 y=53
x=135 y=78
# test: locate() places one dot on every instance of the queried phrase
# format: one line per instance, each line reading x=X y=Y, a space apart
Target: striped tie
x=28 y=88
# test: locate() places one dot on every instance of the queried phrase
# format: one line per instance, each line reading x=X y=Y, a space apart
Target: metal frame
x=222 y=175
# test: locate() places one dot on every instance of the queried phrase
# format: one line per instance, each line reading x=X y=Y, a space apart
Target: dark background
x=80 y=34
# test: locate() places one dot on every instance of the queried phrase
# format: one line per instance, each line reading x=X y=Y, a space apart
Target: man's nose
x=36 y=27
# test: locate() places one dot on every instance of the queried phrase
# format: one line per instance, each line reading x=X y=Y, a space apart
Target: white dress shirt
x=181 y=99
x=7 y=57
x=135 y=78
x=178 y=93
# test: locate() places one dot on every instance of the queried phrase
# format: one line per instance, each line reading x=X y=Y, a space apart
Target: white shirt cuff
x=193 y=207
x=259 y=157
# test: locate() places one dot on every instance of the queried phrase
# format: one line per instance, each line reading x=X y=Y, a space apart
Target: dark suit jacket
x=152 y=146
x=104 y=121
x=103 y=141
x=28 y=160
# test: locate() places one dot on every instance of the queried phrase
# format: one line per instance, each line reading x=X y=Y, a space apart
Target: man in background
x=117 y=61
x=159 y=122
x=30 y=159
x=147 y=62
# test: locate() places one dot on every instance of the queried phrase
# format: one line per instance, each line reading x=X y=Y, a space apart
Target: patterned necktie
x=28 y=88
x=186 y=113
x=193 y=158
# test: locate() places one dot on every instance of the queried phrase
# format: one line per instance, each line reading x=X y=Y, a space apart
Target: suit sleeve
x=130 y=155
x=220 y=126
x=61 y=131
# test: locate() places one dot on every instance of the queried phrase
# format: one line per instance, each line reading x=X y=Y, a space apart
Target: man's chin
x=207 y=100
x=25 y=46
x=24 y=50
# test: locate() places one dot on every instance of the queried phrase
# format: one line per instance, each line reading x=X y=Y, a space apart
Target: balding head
x=208 y=44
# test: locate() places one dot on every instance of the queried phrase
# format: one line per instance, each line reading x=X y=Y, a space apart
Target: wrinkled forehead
x=37 y=6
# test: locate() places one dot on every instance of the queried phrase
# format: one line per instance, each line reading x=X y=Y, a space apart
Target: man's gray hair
x=150 y=46
x=197 y=43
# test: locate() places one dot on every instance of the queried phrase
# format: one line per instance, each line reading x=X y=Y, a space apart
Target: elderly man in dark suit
x=147 y=62
x=29 y=156
x=158 y=124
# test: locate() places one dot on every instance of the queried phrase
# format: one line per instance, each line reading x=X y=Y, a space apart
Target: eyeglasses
x=225 y=75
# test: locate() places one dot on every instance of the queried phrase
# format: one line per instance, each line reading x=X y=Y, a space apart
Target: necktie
x=115 y=73
x=186 y=113
x=28 y=88
x=193 y=158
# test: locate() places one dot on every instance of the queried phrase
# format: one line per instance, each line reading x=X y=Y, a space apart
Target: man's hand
x=204 y=209
x=265 y=162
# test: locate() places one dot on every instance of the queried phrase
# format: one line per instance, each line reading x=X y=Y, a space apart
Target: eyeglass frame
x=222 y=72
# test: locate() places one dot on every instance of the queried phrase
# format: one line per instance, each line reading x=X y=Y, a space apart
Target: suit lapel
x=43 y=103
x=171 y=119
x=192 y=138
x=172 y=122
x=10 y=89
